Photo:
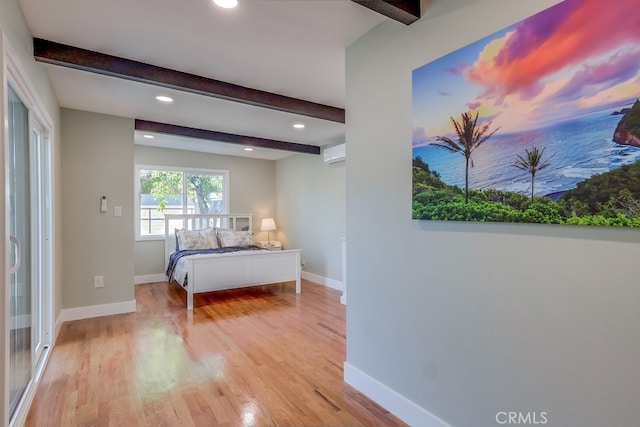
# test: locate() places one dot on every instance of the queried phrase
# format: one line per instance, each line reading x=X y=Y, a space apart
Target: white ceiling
x=290 y=47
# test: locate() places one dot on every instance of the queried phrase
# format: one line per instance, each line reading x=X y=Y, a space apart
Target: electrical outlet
x=98 y=281
x=304 y=262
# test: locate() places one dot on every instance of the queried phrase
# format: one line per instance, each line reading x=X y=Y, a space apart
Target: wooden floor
x=262 y=356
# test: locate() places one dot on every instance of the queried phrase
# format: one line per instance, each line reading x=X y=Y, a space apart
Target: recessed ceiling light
x=299 y=125
x=148 y=136
x=227 y=4
x=248 y=149
x=164 y=98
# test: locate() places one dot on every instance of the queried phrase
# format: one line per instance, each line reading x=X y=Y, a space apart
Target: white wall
x=311 y=213
x=251 y=190
x=97 y=154
x=462 y=319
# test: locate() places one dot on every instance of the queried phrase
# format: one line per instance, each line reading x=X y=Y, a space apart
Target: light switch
x=117 y=211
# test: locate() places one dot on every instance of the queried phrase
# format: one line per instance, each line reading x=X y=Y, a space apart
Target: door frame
x=40 y=160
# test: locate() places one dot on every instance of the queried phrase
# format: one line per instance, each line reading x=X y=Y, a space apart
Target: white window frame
x=225 y=191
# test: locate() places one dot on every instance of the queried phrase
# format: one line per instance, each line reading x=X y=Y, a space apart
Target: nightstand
x=274 y=245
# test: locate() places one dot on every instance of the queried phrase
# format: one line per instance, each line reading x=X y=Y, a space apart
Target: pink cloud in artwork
x=617 y=69
x=561 y=37
x=472 y=106
x=453 y=70
x=419 y=135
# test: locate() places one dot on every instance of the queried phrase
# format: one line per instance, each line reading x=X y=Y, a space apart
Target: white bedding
x=180 y=272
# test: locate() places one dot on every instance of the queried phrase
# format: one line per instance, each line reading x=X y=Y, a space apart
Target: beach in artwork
x=548 y=94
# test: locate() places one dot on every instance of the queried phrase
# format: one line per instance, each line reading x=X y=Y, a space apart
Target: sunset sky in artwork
x=577 y=57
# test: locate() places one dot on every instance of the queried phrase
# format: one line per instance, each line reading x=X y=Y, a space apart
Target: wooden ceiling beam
x=86 y=60
x=245 y=141
x=405 y=11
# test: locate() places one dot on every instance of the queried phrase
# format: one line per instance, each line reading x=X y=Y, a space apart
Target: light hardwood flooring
x=262 y=356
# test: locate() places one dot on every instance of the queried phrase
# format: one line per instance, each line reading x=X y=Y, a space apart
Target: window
x=161 y=190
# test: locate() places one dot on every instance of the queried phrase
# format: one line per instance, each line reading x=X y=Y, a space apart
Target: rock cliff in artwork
x=621 y=112
x=628 y=130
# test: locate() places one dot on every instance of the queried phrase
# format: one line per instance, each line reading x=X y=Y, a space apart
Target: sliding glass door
x=29 y=245
x=20 y=277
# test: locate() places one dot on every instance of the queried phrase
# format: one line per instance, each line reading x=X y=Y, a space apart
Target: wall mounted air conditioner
x=334 y=154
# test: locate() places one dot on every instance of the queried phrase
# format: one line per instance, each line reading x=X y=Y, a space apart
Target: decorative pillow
x=196 y=239
x=217 y=235
x=234 y=238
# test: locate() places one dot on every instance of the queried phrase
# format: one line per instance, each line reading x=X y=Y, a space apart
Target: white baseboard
x=68 y=314
x=315 y=278
x=398 y=405
x=149 y=278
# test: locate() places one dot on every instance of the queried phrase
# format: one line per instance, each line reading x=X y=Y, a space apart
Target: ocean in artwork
x=576 y=148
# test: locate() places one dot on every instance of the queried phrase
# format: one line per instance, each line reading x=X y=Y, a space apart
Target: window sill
x=149 y=238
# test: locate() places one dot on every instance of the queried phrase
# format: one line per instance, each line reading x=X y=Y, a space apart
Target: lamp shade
x=268 y=224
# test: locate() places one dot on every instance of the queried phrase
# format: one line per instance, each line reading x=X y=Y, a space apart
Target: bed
x=198 y=266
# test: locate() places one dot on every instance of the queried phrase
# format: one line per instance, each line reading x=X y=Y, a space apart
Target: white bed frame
x=214 y=272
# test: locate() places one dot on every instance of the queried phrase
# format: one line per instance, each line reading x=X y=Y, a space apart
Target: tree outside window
x=163 y=191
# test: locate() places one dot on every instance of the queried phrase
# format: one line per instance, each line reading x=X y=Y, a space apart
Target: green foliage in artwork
x=609 y=199
x=614 y=191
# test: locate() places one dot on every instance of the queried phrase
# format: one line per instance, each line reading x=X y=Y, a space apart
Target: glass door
x=20 y=273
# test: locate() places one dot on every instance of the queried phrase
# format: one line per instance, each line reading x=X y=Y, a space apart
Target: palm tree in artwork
x=470 y=136
x=531 y=162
